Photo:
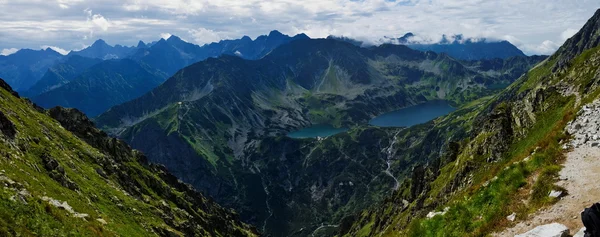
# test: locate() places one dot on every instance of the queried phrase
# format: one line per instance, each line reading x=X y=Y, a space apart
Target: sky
x=535 y=26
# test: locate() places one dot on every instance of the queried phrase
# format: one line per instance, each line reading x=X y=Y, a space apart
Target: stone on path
x=549 y=230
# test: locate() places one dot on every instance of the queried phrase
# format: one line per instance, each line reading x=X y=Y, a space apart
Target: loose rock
x=550 y=230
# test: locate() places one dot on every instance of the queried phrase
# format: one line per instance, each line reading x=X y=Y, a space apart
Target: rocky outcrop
x=8 y=88
x=585 y=129
x=550 y=230
x=588 y=37
x=7 y=128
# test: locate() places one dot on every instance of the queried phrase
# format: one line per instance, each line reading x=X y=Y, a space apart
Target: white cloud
x=165 y=35
x=547 y=47
x=101 y=22
x=66 y=4
x=7 y=52
x=204 y=36
x=127 y=21
x=57 y=49
x=568 y=33
x=134 y=6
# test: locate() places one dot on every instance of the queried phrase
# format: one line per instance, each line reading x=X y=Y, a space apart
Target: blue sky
x=535 y=26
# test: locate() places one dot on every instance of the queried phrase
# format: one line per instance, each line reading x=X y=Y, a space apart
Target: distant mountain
x=169 y=55
x=250 y=49
x=102 y=86
x=163 y=58
x=61 y=74
x=466 y=49
x=100 y=49
x=457 y=47
x=173 y=54
x=59 y=175
x=25 y=67
x=347 y=40
x=219 y=124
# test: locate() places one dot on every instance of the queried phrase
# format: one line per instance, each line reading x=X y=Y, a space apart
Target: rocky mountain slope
x=62 y=176
x=212 y=124
x=102 y=86
x=508 y=165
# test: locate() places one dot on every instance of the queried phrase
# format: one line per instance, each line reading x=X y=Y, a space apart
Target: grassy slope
x=495 y=190
x=125 y=214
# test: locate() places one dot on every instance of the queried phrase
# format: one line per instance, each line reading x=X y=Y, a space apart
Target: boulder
x=549 y=230
x=7 y=127
x=580 y=233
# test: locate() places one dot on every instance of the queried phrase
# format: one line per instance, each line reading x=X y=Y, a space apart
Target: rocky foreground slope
x=61 y=176
x=578 y=189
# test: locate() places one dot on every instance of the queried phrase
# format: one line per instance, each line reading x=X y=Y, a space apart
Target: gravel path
x=580 y=176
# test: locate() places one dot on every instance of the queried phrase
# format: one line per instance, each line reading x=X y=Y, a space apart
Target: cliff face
x=509 y=161
x=62 y=175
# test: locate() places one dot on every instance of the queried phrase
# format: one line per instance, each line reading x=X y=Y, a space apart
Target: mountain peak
x=275 y=33
x=404 y=39
x=301 y=36
x=99 y=42
x=588 y=37
x=246 y=38
x=174 y=38
x=141 y=44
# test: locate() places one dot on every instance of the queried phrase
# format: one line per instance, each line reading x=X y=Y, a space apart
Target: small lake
x=413 y=115
x=405 y=117
x=318 y=130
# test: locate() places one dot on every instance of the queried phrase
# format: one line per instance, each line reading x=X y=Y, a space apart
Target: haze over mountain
x=456 y=46
x=466 y=49
x=25 y=67
x=60 y=74
x=100 y=49
x=103 y=85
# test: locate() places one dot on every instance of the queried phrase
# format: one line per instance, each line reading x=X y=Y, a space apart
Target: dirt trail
x=580 y=176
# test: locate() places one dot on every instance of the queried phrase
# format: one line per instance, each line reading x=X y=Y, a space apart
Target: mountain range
x=76 y=80
x=25 y=67
x=456 y=46
x=220 y=124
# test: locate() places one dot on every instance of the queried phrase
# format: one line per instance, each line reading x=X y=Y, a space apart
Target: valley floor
x=579 y=177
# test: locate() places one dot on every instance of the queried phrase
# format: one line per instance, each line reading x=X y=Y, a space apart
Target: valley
x=199 y=120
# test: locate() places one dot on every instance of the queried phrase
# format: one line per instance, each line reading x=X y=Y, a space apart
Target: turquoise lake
x=318 y=130
x=405 y=117
x=413 y=115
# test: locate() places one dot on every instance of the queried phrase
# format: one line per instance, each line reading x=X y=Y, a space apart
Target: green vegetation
x=103 y=182
x=507 y=164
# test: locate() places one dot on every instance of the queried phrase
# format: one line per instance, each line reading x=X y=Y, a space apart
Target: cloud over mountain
x=535 y=26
